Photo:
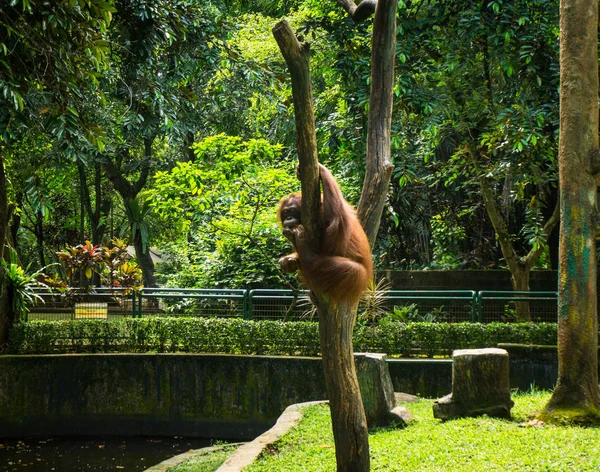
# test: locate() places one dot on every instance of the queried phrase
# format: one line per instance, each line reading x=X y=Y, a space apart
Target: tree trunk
x=297 y=58
x=381 y=100
x=128 y=192
x=520 y=283
x=347 y=411
x=6 y=314
x=577 y=396
x=480 y=385
x=39 y=238
x=188 y=143
x=519 y=267
x=145 y=261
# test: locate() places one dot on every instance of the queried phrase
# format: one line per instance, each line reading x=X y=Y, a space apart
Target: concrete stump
x=377 y=391
x=480 y=385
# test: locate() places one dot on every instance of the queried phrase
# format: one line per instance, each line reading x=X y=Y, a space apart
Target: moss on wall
x=213 y=396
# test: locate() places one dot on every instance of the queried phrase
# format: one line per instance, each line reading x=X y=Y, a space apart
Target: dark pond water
x=91 y=454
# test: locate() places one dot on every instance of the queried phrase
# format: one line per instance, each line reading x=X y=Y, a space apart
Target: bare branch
x=359 y=13
x=379 y=165
x=297 y=57
x=552 y=222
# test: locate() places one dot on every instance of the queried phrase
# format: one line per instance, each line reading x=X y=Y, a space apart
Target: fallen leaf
x=533 y=424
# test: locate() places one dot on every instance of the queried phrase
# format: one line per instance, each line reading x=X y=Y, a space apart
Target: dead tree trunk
x=336 y=325
x=349 y=422
x=379 y=165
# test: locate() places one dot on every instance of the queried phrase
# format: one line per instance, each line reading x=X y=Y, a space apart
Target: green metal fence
x=502 y=306
x=287 y=305
x=420 y=305
x=434 y=305
x=225 y=303
x=101 y=303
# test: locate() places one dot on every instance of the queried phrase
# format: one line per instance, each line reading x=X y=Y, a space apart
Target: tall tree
x=336 y=323
x=51 y=53
x=577 y=396
x=478 y=98
x=164 y=53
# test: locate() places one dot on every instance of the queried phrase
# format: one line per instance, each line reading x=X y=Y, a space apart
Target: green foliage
x=446 y=235
x=225 y=203
x=237 y=336
x=112 y=263
x=20 y=287
x=403 y=314
x=477 y=98
x=137 y=226
x=48 y=52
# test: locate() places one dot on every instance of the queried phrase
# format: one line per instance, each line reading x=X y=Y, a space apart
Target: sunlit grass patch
x=469 y=444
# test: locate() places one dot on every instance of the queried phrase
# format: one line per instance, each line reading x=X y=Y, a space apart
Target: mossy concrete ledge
x=196 y=395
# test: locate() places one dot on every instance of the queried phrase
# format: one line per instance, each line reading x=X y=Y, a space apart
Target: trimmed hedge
x=237 y=336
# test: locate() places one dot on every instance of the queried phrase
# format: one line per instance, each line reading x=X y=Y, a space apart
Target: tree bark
x=577 y=395
x=145 y=261
x=519 y=267
x=6 y=313
x=480 y=385
x=188 y=143
x=350 y=431
x=361 y=12
x=520 y=283
x=39 y=238
x=379 y=165
x=129 y=191
x=336 y=324
x=297 y=58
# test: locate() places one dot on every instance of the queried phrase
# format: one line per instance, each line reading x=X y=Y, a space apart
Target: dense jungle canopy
x=169 y=123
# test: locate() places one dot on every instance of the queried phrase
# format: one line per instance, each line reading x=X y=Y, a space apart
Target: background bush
x=237 y=336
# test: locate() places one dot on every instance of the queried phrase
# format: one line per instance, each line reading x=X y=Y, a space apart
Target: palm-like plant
x=21 y=287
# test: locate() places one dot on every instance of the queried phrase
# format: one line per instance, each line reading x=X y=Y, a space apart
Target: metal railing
x=102 y=302
x=265 y=304
x=226 y=303
x=503 y=305
x=435 y=305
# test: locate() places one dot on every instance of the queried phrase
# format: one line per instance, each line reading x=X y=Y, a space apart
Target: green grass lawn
x=427 y=444
x=205 y=463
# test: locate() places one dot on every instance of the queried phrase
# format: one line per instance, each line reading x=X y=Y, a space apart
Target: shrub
x=237 y=336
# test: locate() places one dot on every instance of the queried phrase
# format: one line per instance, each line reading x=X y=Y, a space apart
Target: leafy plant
x=21 y=287
x=238 y=336
x=85 y=258
x=224 y=203
x=374 y=301
x=402 y=314
x=112 y=263
x=137 y=226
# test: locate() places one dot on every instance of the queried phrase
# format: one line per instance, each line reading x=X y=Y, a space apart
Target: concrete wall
x=198 y=395
x=210 y=396
x=541 y=280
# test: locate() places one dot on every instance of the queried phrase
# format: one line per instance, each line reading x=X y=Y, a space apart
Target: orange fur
x=342 y=267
